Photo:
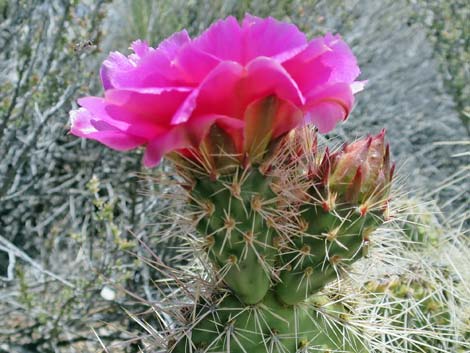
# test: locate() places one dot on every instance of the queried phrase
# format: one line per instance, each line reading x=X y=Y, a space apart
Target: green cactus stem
x=226 y=325
x=277 y=232
x=237 y=235
x=331 y=241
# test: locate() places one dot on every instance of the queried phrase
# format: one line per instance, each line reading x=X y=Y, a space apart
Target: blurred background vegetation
x=74 y=215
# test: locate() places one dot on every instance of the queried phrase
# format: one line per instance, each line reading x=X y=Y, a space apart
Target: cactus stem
x=249 y=237
x=305 y=250
x=232 y=260
x=367 y=233
x=335 y=260
x=278 y=242
x=363 y=209
x=225 y=269
x=332 y=235
x=302 y=254
x=303 y=225
x=236 y=190
x=329 y=203
x=270 y=223
x=208 y=208
x=209 y=242
x=257 y=203
x=308 y=271
x=229 y=223
x=303 y=344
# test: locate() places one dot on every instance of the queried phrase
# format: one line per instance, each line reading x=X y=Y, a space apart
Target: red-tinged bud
x=392 y=171
x=323 y=171
x=361 y=172
x=354 y=188
x=347 y=162
x=246 y=161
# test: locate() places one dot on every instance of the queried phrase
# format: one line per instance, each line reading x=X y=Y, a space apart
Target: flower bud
x=361 y=172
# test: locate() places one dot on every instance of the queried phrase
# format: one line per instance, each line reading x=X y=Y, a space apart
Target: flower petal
x=326 y=60
x=215 y=95
x=148 y=67
x=229 y=88
x=270 y=37
x=264 y=77
x=155 y=105
x=83 y=125
x=307 y=69
x=254 y=38
x=96 y=106
x=340 y=59
x=328 y=105
x=185 y=136
x=223 y=39
x=120 y=118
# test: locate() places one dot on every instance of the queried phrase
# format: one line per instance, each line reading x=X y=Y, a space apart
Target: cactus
x=422 y=308
x=227 y=325
x=277 y=232
x=276 y=222
x=346 y=202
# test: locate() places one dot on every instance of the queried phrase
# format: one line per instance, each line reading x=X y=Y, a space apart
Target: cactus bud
x=361 y=172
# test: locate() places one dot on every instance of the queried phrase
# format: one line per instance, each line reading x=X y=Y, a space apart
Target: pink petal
x=110 y=115
x=340 y=59
x=328 y=105
x=307 y=69
x=116 y=64
x=194 y=64
x=223 y=40
x=83 y=125
x=215 y=95
x=96 y=106
x=229 y=88
x=140 y=48
x=325 y=115
x=171 y=46
x=326 y=60
x=170 y=140
x=148 y=67
x=266 y=76
x=185 y=136
x=156 y=105
x=270 y=37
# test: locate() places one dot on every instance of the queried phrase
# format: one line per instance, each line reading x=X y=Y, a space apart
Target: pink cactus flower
x=167 y=98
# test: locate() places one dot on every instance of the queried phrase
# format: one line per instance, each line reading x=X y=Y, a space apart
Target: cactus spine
x=277 y=232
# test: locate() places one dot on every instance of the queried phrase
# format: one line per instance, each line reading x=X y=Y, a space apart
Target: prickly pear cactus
x=228 y=325
x=278 y=232
x=237 y=235
x=344 y=203
x=273 y=224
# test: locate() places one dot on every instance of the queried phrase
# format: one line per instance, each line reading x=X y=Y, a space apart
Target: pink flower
x=168 y=98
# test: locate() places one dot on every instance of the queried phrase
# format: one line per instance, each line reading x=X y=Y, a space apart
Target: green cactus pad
x=267 y=327
x=238 y=239
x=331 y=240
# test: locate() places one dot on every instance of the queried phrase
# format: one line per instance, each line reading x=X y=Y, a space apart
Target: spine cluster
x=276 y=234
